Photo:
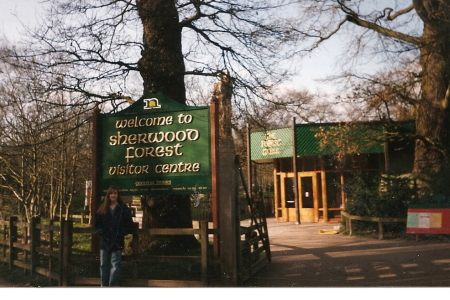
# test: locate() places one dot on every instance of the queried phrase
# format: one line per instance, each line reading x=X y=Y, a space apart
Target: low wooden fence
x=83 y=217
x=51 y=250
x=22 y=247
x=347 y=219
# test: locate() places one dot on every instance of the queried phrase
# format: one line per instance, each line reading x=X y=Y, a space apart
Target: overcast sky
x=15 y=12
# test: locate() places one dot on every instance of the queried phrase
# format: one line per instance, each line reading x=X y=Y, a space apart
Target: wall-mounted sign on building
x=156 y=146
x=271 y=144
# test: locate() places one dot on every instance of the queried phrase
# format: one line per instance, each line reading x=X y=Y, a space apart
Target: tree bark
x=162 y=63
x=167 y=211
x=162 y=69
x=433 y=118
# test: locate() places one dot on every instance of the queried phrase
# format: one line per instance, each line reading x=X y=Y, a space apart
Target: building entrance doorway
x=308 y=197
x=286 y=205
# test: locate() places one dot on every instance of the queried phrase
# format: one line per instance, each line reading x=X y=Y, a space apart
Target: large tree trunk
x=162 y=65
x=162 y=68
x=167 y=211
x=433 y=118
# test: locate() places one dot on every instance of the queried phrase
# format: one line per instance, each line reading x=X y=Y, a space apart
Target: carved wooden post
x=225 y=180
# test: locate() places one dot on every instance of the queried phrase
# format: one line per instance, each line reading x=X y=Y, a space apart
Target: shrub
x=375 y=195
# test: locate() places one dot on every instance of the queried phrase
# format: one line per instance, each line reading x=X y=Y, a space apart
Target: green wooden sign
x=271 y=144
x=156 y=146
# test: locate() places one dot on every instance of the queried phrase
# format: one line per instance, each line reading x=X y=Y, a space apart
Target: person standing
x=112 y=222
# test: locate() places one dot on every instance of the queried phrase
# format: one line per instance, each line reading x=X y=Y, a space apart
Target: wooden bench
x=348 y=222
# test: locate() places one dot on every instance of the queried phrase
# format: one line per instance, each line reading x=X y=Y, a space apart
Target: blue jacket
x=113 y=227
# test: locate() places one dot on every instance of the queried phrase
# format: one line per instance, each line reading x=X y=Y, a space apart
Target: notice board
x=428 y=220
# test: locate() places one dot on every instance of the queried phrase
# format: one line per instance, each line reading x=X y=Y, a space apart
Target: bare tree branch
x=398 y=13
x=384 y=31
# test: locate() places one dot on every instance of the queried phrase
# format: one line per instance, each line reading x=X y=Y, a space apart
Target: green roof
x=330 y=139
x=321 y=139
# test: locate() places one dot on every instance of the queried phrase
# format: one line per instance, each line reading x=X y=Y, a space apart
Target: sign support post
x=294 y=167
x=249 y=164
x=215 y=172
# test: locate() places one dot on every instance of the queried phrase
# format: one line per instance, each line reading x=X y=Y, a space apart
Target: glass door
x=309 y=205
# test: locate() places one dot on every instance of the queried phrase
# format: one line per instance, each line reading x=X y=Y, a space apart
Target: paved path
x=301 y=257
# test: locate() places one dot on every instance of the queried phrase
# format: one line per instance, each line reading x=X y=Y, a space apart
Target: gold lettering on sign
x=128 y=169
x=144 y=122
x=270 y=144
x=153 y=182
x=181 y=167
x=160 y=151
x=148 y=145
x=154 y=137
